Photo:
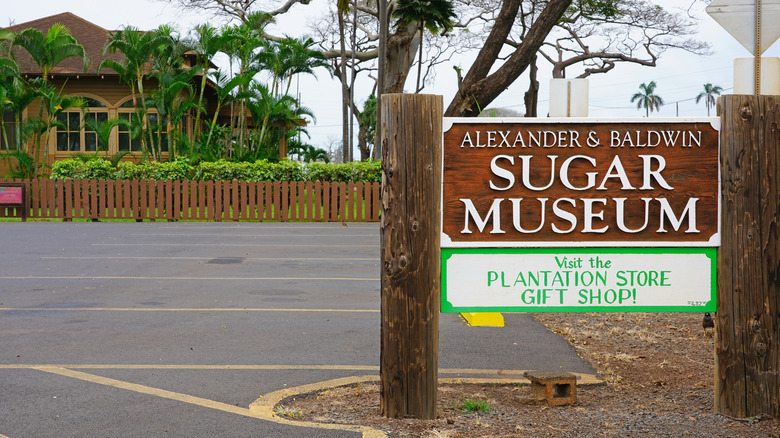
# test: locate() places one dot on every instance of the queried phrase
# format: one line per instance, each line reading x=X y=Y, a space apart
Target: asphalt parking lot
x=174 y=329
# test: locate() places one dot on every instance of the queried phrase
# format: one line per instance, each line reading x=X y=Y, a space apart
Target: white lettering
x=494 y=213
x=501 y=172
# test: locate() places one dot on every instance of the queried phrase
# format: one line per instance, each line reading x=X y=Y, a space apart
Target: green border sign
x=578 y=280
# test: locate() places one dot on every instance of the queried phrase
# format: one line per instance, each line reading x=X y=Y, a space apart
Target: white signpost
x=738 y=17
x=754 y=24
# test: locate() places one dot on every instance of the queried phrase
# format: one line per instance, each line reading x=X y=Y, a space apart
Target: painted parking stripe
x=185 y=309
x=231 y=245
x=319 y=259
x=241 y=236
x=367 y=432
x=489 y=375
x=361 y=368
x=277 y=226
x=111 y=277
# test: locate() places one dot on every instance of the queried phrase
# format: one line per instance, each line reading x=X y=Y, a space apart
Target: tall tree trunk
x=352 y=85
x=419 y=61
x=479 y=87
x=344 y=93
x=381 y=67
x=402 y=47
x=531 y=97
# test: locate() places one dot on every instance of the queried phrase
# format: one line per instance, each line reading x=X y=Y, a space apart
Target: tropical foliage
x=647 y=99
x=95 y=167
x=709 y=93
x=254 y=112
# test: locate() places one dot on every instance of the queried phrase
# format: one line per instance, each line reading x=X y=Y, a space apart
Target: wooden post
x=411 y=132
x=747 y=342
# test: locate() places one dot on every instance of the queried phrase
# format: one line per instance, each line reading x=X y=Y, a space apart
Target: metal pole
x=757 y=61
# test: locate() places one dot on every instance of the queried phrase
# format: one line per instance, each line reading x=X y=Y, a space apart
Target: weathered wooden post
x=747 y=342
x=411 y=131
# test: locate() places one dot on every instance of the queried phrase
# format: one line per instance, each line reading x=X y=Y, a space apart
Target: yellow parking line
x=367 y=432
x=335 y=259
x=3 y=436
x=495 y=375
x=112 y=277
x=338 y=236
x=275 y=226
x=362 y=368
x=192 y=309
x=232 y=245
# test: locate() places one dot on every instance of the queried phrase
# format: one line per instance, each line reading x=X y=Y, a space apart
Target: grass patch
x=288 y=412
x=473 y=405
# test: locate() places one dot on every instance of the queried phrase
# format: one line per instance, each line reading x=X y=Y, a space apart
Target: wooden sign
x=532 y=183
x=10 y=195
x=14 y=194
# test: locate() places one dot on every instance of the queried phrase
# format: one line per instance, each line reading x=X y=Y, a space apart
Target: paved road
x=174 y=329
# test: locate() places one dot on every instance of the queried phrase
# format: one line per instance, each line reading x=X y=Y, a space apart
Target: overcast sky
x=679 y=76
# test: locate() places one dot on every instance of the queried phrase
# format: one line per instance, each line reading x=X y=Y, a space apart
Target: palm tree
x=56 y=103
x=709 y=93
x=19 y=94
x=228 y=89
x=207 y=43
x=137 y=49
x=277 y=115
x=9 y=72
x=434 y=15
x=647 y=98
x=47 y=51
x=312 y=154
x=242 y=42
x=299 y=58
x=102 y=129
x=172 y=103
x=51 y=48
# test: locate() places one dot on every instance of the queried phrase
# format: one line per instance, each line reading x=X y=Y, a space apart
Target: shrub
x=220 y=170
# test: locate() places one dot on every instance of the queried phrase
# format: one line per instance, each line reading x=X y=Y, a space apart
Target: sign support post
x=411 y=136
x=747 y=340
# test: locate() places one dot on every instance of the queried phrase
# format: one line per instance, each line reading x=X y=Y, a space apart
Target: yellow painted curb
x=264 y=406
x=484 y=319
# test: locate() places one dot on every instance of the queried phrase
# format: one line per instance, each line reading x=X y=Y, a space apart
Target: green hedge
x=222 y=170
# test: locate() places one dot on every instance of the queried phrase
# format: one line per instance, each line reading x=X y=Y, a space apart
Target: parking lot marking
x=191 y=309
x=373 y=368
x=242 y=236
x=232 y=245
x=112 y=277
x=275 y=226
x=493 y=375
x=318 y=259
x=271 y=416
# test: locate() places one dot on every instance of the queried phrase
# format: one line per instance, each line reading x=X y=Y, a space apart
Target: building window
x=125 y=136
x=157 y=131
x=76 y=130
x=8 y=131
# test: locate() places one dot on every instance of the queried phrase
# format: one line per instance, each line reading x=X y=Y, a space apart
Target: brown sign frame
x=21 y=203
x=599 y=181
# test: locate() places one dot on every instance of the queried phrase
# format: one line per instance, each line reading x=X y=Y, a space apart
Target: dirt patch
x=658 y=374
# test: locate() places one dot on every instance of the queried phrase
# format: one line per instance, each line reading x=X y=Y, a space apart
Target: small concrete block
x=484 y=319
x=555 y=387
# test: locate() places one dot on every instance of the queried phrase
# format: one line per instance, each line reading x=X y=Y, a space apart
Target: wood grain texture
x=747 y=359
x=691 y=169
x=409 y=233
